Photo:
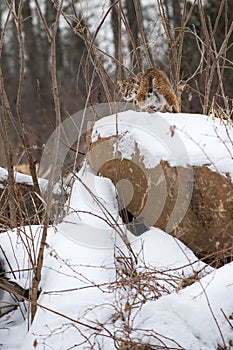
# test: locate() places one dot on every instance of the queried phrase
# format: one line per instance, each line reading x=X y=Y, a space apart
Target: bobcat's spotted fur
x=129 y=88
x=152 y=92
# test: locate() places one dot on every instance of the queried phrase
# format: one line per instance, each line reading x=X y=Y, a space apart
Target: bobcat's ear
x=119 y=82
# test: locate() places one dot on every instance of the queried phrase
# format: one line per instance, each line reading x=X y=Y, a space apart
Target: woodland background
x=191 y=41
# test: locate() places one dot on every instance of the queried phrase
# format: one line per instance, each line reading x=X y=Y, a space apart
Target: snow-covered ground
x=98 y=291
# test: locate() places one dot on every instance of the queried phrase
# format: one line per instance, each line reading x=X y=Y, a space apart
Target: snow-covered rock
x=172 y=171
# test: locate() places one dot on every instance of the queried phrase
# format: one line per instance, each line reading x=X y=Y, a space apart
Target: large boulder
x=204 y=217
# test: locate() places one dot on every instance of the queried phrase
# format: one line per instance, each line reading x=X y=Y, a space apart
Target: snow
x=27 y=179
x=72 y=274
x=93 y=220
x=197 y=140
x=197 y=311
x=19 y=178
x=99 y=281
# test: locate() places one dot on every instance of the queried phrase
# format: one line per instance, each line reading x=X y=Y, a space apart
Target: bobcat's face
x=129 y=88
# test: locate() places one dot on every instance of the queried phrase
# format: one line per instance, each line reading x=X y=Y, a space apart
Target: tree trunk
x=133 y=25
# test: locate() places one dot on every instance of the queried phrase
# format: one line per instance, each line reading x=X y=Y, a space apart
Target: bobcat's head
x=129 y=87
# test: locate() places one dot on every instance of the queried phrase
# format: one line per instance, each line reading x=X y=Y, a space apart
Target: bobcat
x=151 y=92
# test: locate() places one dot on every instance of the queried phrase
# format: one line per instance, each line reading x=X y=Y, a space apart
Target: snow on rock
x=181 y=139
x=3 y=174
x=93 y=218
x=72 y=274
x=19 y=248
x=197 y=317
x=27 y=179
x=76 y=293
x=94 y=195
x=176 y=166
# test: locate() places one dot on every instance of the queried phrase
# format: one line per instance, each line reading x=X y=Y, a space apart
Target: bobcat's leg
x=152 y=109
